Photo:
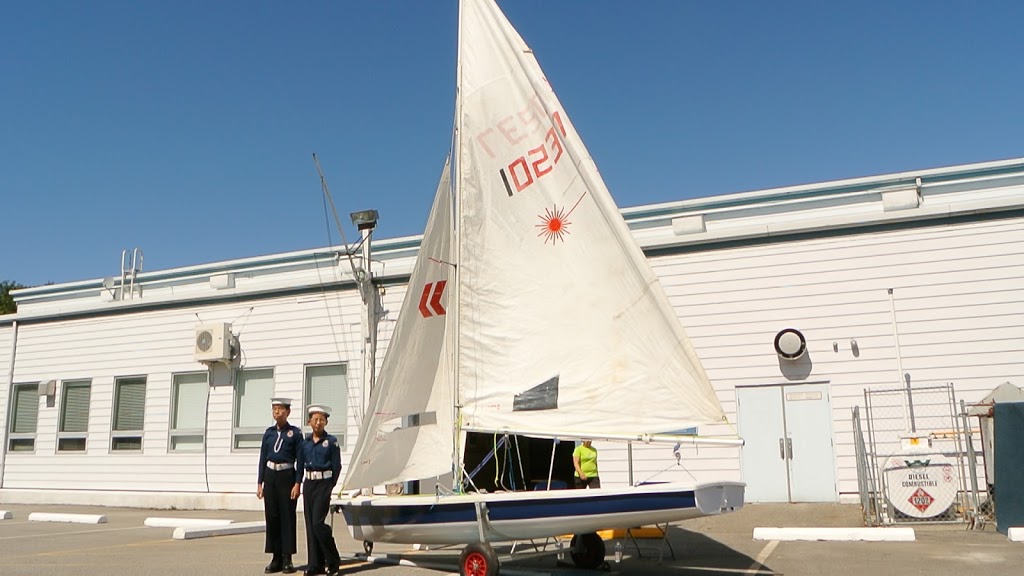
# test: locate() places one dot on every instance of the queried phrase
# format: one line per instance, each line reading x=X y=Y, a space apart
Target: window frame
x=12 y=411
x=251 y=434
x=339 y=415
x=63 y=435
x=175 y=433
x=122 y=435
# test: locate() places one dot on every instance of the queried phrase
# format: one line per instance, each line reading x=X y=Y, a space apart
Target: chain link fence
x=917 y=460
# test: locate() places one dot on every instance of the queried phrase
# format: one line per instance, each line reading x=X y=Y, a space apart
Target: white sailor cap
x=319 y=408
x=286 y=402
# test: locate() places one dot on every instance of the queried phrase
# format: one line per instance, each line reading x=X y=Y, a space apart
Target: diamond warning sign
x=921 y=500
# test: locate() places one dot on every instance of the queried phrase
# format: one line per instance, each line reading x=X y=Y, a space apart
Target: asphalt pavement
x=705 y=547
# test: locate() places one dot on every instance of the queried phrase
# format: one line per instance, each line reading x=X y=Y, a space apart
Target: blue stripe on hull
x=453 y=511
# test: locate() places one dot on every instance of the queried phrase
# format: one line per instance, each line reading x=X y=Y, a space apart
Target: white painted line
x=76 y=532
x=847 y=534
x=158 y=522
x=73 y=518
x=188 y=533
x=6 y=515
x=1015 y=534
x=755 y=568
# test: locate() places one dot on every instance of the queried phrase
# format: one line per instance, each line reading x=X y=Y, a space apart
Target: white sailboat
x=531 y=310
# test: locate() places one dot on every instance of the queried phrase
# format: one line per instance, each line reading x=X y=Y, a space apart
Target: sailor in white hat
x=278 y=485
x=320 y=461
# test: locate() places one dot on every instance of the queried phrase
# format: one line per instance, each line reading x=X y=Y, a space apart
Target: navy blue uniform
x=280 y=448
x=318 y=459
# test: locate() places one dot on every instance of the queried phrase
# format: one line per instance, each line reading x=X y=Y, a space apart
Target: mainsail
x=562 y=328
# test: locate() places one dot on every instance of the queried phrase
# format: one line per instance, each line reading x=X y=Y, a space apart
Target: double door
x=788 y=455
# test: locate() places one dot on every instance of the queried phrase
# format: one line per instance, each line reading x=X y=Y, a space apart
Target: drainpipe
x=908 y=410
x=10 y=386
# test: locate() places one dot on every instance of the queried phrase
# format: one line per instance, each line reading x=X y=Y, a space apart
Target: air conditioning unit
x=214 y=343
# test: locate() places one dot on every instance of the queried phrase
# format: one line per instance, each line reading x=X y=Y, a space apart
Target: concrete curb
x=73 y=518
x=842 y=534
x=157 y=522
x=5 y=515
x=1015 y=534
x=188 y=533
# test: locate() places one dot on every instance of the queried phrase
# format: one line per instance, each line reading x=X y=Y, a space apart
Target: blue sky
x=186 y=128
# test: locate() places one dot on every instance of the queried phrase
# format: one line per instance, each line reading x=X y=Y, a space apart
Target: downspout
x=908 y=406
x=10 y=386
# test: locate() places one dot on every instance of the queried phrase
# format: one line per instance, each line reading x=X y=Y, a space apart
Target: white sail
x=407 y=432
x=563 y=326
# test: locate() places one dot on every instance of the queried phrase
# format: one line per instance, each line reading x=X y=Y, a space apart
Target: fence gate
x=915 y=461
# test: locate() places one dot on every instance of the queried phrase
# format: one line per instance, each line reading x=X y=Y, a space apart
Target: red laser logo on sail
x=554 y=223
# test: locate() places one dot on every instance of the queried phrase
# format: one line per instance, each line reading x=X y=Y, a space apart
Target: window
x=189 y=393
x=329 y=385
x=74 y=416
x=253 y=390
x=24 y=413
x=129 y=414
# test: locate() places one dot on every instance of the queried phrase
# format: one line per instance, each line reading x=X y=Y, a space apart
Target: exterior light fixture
x=365 y=219
x=790 y=344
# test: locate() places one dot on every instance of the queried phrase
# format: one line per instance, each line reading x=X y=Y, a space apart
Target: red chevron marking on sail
x=435 y=302
x=423 y=301
x=431 y=294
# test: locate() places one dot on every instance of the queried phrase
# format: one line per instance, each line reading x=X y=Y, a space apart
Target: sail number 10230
x=537 y=162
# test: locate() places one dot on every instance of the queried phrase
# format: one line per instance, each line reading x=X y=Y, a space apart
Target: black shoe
x=274 y=566
x=333 y=570
x=313 y=571
x=287 y=567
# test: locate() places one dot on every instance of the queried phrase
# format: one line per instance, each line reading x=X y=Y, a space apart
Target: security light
x=365 y=219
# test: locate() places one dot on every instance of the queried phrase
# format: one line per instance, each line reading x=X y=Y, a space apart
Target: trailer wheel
x=478 y=559
x=587 y=550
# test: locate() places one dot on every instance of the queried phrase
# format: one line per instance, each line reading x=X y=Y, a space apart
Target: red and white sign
x=921 y=485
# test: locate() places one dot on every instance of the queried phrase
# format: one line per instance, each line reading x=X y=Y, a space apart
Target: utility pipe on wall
x=908 y=419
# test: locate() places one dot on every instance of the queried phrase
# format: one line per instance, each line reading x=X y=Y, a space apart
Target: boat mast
x=453 y=319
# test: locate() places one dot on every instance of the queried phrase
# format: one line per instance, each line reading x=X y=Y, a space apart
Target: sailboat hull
x=428 y=519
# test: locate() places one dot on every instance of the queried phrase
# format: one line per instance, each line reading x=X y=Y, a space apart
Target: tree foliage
x=7 y=305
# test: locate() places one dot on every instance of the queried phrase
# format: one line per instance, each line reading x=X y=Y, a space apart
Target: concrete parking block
x=1015 y=534
x=73 y=518
x=834 y=534
x=6 y=515
x=188 y=533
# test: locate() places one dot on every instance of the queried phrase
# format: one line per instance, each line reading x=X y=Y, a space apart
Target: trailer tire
x=587 y=550
x=478 y=559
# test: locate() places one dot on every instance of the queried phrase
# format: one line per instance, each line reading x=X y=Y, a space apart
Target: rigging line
x=519 y=457
x=341 y=229
x=326 y=198
x=334 y=332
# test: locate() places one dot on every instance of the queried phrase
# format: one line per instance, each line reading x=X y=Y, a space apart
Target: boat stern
x=719 y=497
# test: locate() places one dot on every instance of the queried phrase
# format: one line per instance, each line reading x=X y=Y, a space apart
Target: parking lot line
x=763 y=555
x=70 y=533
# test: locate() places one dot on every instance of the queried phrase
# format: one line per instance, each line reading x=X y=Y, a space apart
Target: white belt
x=318 y=475
x=276 y=466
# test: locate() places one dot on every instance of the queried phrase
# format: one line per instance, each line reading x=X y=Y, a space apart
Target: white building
x=105 y=403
